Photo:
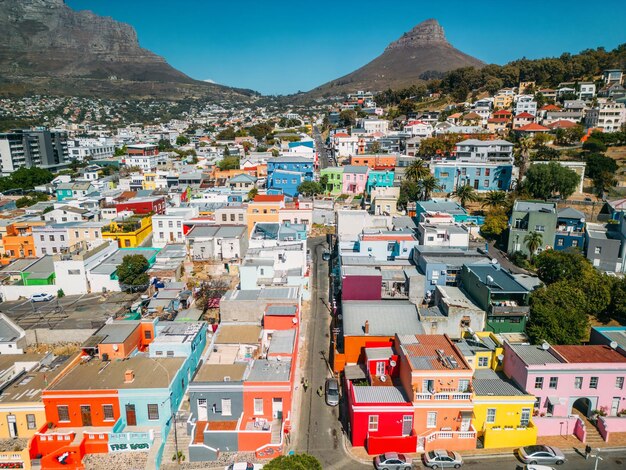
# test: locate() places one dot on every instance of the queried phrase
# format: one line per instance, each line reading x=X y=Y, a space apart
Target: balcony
x=448 y=439
x=443 y=396
x=509 y=436
x=513 y=309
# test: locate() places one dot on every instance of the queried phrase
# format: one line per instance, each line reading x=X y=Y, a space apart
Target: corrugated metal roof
x=534 y=355
x=385 y=318
x=281 y=310
x=378 y=353
x=379 y=394
x=487 y=383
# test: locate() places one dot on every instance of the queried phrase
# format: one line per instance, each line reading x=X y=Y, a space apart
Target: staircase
x=277 y=426
x=593 y=437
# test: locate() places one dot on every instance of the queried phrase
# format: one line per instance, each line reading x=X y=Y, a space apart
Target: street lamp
x=597 y=457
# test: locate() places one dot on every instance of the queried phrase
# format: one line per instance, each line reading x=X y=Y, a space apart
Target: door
x=277 y=408
x=85 y=414
x=615 y=406
x=11 y=420
x=380 y=368
x=407 y=425
x=466 y=419
x=202 y=410
x=131 y=417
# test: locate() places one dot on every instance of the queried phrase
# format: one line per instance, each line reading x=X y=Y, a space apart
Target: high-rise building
x=27 y=148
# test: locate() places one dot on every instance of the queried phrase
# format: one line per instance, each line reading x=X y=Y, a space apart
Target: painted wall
x=74 y=399
x=20 y=413
x=361 y=287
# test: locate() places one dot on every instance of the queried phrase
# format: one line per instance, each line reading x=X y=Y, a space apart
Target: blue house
x=379 y=179
x=285 y=174
x=570 y=229
x=482 y=176
x=306 y=143
x=447 y=206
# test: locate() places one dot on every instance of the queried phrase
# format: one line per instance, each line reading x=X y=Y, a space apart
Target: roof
x=110 y=375
x=532 y=206
x=378 y=394
x=385 y=318
x=497 y=279
x=358 y=169
x=431 y=352
x=267 y=370
x=238 y=334
x=570 y=213
x=38 y=371
x=442 y=205
x=378 y=353
x=216 y=231
x=562 y=124
x=242 y=178
x=116 y=332
x=484 y=143
x=9 y=332
x=533 y=127
x=282 y=342
x=217 y=372
x=524 y=115
x=290 y=159
x=281 y=310
x=589 y=354
x=269 y=198
x=534 y=355
x=486 y=382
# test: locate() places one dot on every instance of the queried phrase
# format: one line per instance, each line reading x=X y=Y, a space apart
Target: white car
x=537 y=467
x=41 y=297
x=244 y=466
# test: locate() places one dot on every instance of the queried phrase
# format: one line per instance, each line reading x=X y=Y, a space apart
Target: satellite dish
x=116 y=347
x=392 y=363
x=613 y=344
x=545 y=346
x=494 y=261
x=500 y=357
x=383 y=378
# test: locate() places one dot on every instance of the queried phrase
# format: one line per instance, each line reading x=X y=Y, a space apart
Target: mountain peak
x=426 y=33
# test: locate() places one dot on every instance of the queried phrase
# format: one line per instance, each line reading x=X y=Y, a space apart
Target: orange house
x=19 y=242
x=374 y=162
x=281 y=317
x=119 y=339
x=438 y=379
x=264 y=208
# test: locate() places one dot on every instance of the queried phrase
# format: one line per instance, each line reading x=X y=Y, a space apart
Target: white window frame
x=372 y=424
x=431 y=419
x=258 y=406
x=490 y=417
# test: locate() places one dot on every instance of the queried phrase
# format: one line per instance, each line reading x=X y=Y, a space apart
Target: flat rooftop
x=264 y=370
x=106 y=375
x=379 y=394
x=431 y=352
x=238 y=334
x=487 y=382
x=221 y=372
x=497 y=279
x=25 y=376
x=385 y=318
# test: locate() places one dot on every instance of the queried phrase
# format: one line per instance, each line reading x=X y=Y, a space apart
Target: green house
x=531 y=216
x=335 y=180
x=497 y=292
x=40 y=273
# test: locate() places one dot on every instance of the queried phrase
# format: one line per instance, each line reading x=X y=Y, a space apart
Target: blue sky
x=282 y=47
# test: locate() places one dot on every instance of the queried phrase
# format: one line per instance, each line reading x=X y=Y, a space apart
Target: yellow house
x=482 y=350
x=264 y=208
x=502 y=412
x=502 y=101
x=22 y=411
x=149 y=181
x=129 y=233
x=85 y=232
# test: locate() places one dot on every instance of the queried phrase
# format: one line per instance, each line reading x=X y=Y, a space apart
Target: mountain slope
x=423 y=50
x=45 y=46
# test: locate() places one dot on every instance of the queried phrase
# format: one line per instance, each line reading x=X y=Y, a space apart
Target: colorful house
x=531 y=216
x=379 y=178
x=264 y=208
x=374 y=162
x=285 y=174
x=128 y=233
x=570 y=229
x=354 y=179
x=480 y=175
x=334 y=183
x=18 y=241
x=142 y=205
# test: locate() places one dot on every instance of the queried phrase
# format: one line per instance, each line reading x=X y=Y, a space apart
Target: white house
x=168 y=227
x=419 y=129
x=374 y=125
x=526 y=104
x=223 y=242
x=608 y=116
x=12 y=337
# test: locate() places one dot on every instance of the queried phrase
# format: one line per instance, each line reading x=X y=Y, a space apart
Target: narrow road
x=325 y=159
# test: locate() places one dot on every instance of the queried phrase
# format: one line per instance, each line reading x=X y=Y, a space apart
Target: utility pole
x=598 y=458
x=175 y=437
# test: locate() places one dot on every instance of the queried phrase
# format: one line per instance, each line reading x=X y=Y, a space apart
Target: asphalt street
x=325 y=159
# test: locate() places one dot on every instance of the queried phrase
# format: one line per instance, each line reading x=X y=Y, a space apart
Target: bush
x=60 y=293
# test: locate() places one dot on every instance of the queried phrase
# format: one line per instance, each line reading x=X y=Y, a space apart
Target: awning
x=553 y=400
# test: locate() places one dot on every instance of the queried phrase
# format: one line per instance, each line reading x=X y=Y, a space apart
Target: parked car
x=326 y=256
x=539 y=454
x=41 y=297
x=538 y=467
x=442 y=459
x=332 y=392
x=393 y=461
x=244 y=466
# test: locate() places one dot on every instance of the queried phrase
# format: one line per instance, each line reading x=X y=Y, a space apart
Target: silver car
x=393 y=461
x=442 y=459
x=332 y=392
x=541 y=455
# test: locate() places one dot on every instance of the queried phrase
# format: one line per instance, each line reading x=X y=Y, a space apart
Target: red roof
x=414 y=123
x=550 y=107
x=533 y=127
x=341 y=134
x=524 y=115
x=426 y=348
x=562 y=124
x=503 y=112
x=589 y=354
x=498 y=120
x=269 y=198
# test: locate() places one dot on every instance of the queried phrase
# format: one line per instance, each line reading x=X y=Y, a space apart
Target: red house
x=361 y=283
x=142 y=205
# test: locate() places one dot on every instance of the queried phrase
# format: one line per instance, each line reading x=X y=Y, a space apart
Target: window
x=153 y=411
x=487 y=171
x=491 y=415
x=226 y=408
x=593 y=382
x=147 y=334
x=258 y=406
x=107 y=412
x=63 y=412
x=179 y=224
x=31 y=422
x=554 y=382
x=559 y=242
x=241 y=217
x=619 y=382
x=373 y=423
x=42 y=237
x=486 y=183
x=224 y=218
x=73 y=272
x=431 y=419
x=540 y=228
x=539 y=382
x=483 y=361
x=574 y=242
x=464 y=385
x=62 y=238
x=52 y=238
x=160 y=224
x=597 y=250
x=578 y=383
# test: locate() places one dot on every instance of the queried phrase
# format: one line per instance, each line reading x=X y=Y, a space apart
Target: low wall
x=609 y=424
x=15 y=292
x=45 y=336
x=494 y=438
x=381 y=444
x=15 y=459
x=555 y=425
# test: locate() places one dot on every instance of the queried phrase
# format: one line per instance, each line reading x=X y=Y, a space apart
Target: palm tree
x=533 y=241
x=465 y=194
x=525 y=144
x=416 y=171
x=494 y=199
x=428 y=185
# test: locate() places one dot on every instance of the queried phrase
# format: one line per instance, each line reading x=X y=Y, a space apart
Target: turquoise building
x=379 y=179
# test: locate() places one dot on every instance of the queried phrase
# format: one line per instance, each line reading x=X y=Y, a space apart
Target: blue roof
x=306 y=143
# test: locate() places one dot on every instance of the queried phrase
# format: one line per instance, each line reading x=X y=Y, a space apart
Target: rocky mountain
x=46 y=47
x=421 y=53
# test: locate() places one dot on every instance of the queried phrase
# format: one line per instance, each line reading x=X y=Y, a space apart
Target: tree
x=465 y=194
x=416 y=171
x=182 y=140
x=164 y=145
x=556 y=314
x=26 y=178
x=533 y=241
x=375 y=147
x=294 y=462
x=121 y=151
x=310 y=188
x=546 y=180
x=347 y=118
x=252 y=194
x=603 y=182
x=409 y=191
x=593 y=145
x=229 y=163
x=566 y=265
x=546 y=153
x=496 y=222
x=226 y=134
x=598 y=163
x=523 y=152
x=324 y=181
x=494 y=199
x=428 y=185
x=132 y=271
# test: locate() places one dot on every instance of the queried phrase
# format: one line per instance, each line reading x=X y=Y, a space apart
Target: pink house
x=569 y=382
x=354 y=179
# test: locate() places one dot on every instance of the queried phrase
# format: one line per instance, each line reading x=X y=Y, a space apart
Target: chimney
x=129 y=376
x=367 y=327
